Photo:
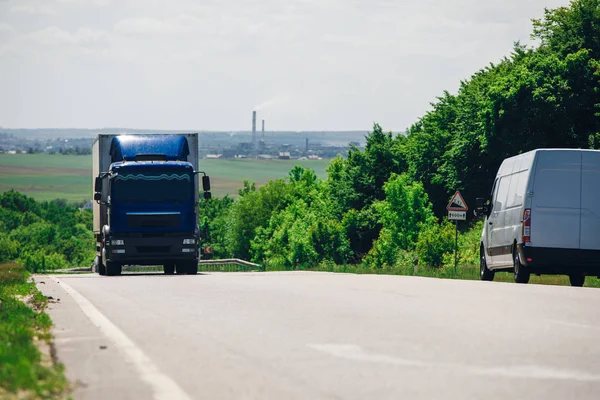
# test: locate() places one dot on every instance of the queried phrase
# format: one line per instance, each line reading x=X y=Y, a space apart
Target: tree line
x=44 y=235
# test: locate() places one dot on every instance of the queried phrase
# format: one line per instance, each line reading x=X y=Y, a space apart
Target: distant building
x=264 y=157
x=284 y=155
x=88 y=205
x=214 y=156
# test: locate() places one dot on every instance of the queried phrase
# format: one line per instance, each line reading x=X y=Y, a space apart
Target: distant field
x=49 y=177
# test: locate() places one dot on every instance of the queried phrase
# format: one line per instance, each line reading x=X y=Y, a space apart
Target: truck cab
x=147 y=204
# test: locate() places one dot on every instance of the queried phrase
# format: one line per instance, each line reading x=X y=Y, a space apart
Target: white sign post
x=457 y=211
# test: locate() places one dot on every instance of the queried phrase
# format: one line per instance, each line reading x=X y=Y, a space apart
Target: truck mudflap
x=540 y=260
x=140 y=250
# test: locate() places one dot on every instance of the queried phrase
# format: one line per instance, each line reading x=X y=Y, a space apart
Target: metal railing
x=228 y=265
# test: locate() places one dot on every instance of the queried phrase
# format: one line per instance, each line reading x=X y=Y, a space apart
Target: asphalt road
x=323 y=336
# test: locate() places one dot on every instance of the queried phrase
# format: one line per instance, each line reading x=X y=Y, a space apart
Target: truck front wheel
x=113 y=268
x=182 y=268
x=577 y=280
x=169 y=268
x=187 y=267
x=192 y=267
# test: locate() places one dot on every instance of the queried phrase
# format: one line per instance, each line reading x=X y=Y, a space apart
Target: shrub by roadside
x=25 y=373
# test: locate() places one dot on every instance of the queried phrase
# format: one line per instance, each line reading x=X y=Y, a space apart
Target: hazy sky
x=206 y=64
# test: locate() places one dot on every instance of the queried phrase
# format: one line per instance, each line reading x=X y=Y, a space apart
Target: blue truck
x=146 y=194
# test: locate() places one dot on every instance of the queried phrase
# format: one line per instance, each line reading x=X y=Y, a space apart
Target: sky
x=206 y=64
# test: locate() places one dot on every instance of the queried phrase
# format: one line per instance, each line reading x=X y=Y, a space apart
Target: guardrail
x=228 y=265
x=225 y=265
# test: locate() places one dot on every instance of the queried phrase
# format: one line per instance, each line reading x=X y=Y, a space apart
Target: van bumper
x=540 y=260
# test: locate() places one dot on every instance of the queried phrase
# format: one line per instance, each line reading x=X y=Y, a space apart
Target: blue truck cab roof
x=124 y=148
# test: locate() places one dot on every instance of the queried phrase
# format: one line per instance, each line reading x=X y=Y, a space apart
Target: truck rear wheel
x=577 y=280
x=113 y=268
x=169 y=269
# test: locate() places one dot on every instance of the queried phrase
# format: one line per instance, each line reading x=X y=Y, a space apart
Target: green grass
x=25 y=372
x=463 y=272
x=48 y=177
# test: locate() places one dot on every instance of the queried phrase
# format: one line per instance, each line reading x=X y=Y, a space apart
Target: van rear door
x=556 y=203
x=590 y=200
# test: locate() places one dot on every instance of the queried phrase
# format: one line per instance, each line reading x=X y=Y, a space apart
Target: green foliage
x=212 y=222
x=404 y=213
x=435 y=241
x=44 y=236
x=23 y=373
x=253 y=211
x=9 y=249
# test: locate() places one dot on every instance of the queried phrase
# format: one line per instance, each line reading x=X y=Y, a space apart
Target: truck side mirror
x=97 y=196
x=98 y=184
x=207 y=195
x=205 y=183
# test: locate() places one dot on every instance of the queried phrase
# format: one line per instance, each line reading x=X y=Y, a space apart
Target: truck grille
x=167 y=220
x=152 y=249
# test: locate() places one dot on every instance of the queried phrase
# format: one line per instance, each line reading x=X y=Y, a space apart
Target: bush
x=434 y=242
x=40 y=261
x=9 y=249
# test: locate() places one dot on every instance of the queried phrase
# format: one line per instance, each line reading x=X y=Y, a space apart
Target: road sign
x=457 y=203
x=457 y=215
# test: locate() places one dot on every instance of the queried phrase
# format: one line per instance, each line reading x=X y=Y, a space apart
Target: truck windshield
x=152 y=186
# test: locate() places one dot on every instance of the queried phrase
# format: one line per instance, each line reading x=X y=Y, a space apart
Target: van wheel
x=577 y=279
x=521 y=274
x=484 y=273
x=169 y=269
x=113 y=268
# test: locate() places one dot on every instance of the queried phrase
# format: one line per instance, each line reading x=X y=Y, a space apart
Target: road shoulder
x=94 y=365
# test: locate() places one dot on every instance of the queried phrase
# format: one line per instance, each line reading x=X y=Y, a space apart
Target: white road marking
x=572 y=324
x=163 y=386
x=357 y=353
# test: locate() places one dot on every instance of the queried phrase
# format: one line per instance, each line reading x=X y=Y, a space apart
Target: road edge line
x=162 y=385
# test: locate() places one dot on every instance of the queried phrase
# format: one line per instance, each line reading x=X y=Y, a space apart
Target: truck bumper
x=539 y=260
x=139 y=250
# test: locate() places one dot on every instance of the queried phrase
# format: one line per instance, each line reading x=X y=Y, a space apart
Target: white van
x=543 y=216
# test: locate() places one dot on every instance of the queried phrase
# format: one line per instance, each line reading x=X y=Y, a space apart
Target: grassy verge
x=464 y=272
x=25 y=373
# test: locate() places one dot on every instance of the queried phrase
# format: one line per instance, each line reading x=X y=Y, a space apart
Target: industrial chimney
x=254 y=129
x=263 y=130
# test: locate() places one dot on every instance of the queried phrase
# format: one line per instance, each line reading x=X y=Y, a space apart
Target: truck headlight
x=189 y=241
x=119 y=242
x=187 y=250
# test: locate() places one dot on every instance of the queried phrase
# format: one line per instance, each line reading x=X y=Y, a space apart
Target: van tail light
x=527 y=225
